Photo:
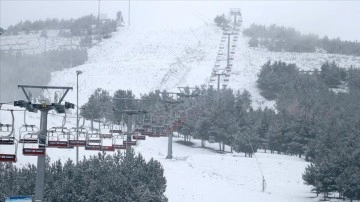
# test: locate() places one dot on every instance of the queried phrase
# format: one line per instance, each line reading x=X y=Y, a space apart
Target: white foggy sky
x=332 y=18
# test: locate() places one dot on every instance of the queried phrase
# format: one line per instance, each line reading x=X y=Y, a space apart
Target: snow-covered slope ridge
x=144 y=60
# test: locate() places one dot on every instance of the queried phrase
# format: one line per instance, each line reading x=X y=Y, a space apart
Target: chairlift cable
x=257 y=162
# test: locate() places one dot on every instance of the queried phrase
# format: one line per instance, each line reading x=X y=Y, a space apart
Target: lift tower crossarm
x=45 y=87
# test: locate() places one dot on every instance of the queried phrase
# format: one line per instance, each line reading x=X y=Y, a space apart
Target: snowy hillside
x=196 y=174
x=145 y=60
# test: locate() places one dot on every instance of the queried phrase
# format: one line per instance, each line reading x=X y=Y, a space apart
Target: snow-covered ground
x=197 y=174
x=164 y=58
x=145 y=60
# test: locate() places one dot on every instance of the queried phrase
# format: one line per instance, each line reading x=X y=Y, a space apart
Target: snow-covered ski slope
x=201 y=175
x=144 y=60
x=145 y=57
x=197 y=174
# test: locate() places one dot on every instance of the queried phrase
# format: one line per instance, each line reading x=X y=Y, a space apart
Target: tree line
x=83 y=26
x=97 y=178
x=280 y=38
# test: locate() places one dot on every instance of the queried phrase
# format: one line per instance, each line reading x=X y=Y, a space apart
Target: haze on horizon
x=331 y=18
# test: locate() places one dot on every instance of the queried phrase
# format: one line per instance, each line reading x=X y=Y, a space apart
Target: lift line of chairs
x=62 y=137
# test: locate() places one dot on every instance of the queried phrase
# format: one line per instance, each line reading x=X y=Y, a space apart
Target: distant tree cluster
x=277 y=76
x=84 y=26
x=221 y=20
x=98 y=178
x=279 y=38
x=227 y=120
x=34 y=69
x=315 y=121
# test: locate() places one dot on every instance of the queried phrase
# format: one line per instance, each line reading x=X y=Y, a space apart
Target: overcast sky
x=332 y=18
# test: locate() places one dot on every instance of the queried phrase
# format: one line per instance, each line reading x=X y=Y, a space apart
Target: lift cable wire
x=257 y=162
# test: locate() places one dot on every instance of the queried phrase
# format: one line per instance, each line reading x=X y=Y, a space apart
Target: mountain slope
x=145 y=60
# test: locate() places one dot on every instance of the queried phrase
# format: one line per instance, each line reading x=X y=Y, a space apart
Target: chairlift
x=81 y=140
x=129 y=143
x=59 y=137
x=25 y=129
x=107 y=142
x=118 y=141
x=138 y=136
x=7 y=137
x=32 y=148
x=93 y=141
x=153 y=133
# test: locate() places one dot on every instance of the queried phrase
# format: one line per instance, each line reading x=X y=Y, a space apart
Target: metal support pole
x=128 y=137
x=234 y=21
x=98 y=27
x=77 y=113
x=228 y=54
x=40 y=171
x=77 y=116
x=129 y=13
x=169 y=154
x=71 y=51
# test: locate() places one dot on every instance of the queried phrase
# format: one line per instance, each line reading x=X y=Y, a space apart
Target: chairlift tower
x=236 y=12
x=130 y=113
x=170 y=100
x=188 y=93
x=218 y=74
x=44 y=108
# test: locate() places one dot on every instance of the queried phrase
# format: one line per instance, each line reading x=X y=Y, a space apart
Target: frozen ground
x=197 y=174
x=164 y=58
x=145 y=60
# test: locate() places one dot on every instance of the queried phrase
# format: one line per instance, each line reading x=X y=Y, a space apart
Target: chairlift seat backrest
x=7 y=140
x=34 y=151
x=139 y=137
x=119 y=146
x=77 y=143
x=125 y=142
x=106 y=135
x=93 y=147
x=11 y=158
